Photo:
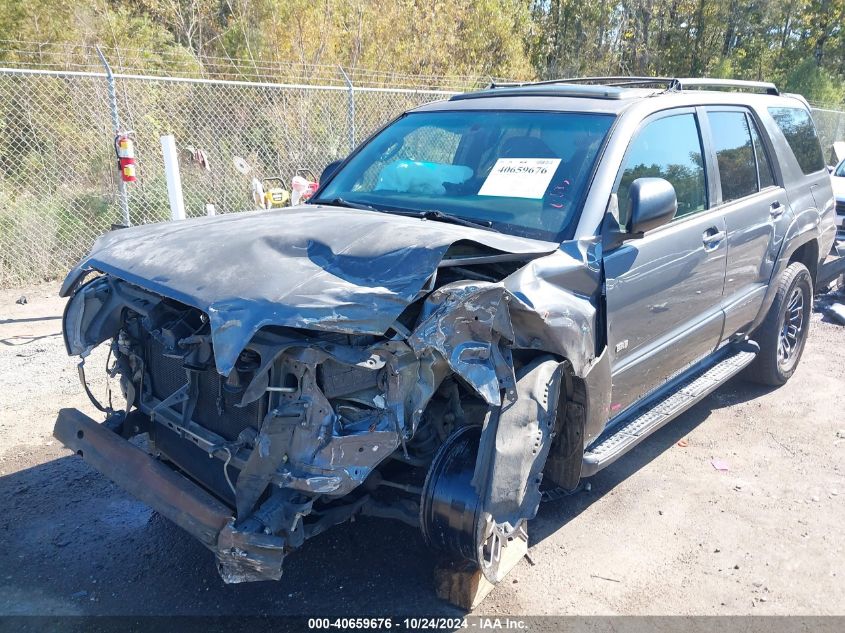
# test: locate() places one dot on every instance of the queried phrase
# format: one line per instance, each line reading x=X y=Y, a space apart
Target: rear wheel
x=783 y=334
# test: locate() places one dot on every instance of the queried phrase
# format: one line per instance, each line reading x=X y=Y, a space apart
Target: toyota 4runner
x=489 y=300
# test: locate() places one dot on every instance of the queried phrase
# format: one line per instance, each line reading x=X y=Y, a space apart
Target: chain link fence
x=59 y=188
x=830 y=124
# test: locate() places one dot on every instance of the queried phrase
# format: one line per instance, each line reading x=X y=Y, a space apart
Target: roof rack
x=617 y=81
x=543 y=89
x=669 y=83
x=765 y=86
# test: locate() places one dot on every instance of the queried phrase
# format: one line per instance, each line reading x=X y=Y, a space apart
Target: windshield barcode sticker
x=519 y=177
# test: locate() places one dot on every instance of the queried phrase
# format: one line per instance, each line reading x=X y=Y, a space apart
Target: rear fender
x=803 y=229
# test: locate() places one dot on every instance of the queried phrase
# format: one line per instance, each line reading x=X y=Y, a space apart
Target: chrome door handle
x=710 y=238
x=776 y=209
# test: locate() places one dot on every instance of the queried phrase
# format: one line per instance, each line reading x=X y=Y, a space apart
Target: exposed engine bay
x=444 y=421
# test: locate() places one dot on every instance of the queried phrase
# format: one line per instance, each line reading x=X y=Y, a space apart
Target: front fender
x=556 y=308
x=474 y=326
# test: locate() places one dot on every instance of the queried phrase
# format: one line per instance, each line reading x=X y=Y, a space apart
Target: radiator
x=168 y=375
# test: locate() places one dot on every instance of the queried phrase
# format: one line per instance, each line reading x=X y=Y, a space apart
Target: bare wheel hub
x=451 y=516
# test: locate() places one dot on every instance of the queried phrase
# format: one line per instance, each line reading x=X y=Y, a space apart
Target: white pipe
x=174 y=180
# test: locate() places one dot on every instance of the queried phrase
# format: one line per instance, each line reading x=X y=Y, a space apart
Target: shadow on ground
x=74 y=543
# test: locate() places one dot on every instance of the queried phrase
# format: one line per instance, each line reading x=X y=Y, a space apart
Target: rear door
x=754 y=207
x=664 y=291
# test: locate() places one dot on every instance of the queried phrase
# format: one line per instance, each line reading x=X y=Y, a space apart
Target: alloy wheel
x=792 y=329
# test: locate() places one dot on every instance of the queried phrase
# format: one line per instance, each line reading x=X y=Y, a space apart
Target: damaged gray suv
x=492 y=298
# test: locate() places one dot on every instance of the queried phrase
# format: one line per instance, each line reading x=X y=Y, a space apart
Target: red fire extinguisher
x=124 y=147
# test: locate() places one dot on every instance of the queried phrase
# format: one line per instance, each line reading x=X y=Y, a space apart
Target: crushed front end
x=267 y=422
x=303 y=418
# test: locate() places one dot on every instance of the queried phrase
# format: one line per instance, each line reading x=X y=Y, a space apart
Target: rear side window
x=668 y=148
x=734 y=154
x=764 y=167
x=800 y=133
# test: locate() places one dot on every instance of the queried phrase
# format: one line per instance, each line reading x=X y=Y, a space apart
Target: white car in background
x=837 y=178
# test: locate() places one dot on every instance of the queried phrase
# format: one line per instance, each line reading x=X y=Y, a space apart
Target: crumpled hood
x=313 y=267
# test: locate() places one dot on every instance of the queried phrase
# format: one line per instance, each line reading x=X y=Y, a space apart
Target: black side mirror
x=328 y=171
x=653 y=203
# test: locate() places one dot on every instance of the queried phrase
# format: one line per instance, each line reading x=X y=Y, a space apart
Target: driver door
x=664 y=291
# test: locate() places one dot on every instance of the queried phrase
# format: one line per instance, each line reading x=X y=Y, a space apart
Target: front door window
x=668 y=148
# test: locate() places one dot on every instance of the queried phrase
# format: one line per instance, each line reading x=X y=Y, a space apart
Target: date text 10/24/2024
x=419 y=624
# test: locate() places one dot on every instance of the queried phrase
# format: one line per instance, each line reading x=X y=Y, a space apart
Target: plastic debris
x=22 y=300
x=683 y=443
x=720 y=464
x=837 y=312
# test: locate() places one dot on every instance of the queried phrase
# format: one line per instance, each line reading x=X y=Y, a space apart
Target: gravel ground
x=660 y=532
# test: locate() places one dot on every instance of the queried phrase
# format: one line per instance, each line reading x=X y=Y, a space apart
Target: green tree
x=815 y=83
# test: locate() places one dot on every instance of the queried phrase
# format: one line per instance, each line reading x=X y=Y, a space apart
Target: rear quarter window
x=800 y=133
x=734 y=154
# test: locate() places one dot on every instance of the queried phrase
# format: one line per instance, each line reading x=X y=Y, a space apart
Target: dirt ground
x=660 y=532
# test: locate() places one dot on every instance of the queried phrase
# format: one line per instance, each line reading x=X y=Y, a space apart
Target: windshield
x=840 y=171
x=519 y=172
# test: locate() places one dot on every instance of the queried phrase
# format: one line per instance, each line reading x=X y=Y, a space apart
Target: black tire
x=782 y=342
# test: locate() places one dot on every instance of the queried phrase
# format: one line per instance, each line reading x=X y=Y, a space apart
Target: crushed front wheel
x=451 y=517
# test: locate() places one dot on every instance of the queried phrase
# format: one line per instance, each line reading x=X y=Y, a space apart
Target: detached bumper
x=241 y=556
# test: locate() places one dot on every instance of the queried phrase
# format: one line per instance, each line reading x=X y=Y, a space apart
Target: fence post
x=350 y=108
x=174 y=180
x=123 y=194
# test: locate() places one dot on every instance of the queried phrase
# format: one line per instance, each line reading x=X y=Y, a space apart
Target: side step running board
x=667 y=404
